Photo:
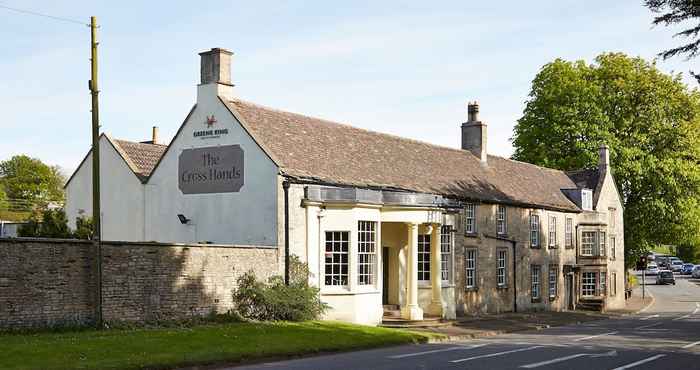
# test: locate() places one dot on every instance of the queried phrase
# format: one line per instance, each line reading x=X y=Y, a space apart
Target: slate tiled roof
x=141 y=157
x=323 y=151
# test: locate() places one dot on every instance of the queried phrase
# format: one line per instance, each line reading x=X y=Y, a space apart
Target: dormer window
x=587 y=200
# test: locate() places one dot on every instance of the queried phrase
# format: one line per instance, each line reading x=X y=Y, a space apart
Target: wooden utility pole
x=96 y=213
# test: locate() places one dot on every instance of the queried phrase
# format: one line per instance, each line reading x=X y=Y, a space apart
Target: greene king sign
x=217 y=169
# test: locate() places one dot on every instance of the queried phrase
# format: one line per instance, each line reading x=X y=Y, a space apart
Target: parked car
x=696 y=272
x=676 y=266
x=687 y=269
x=652 y=269
x=665 y=277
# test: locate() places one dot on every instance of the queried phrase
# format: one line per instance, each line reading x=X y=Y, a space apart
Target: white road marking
x=688 y=315
x=595 y=336
x=496 y=354
x=567 y=358
x=644 y=361
x=648 y=326
x=437 y=351
x=649 y=317
x=691 y=344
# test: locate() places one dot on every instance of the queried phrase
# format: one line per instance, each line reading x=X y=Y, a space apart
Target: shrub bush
x=275 y=301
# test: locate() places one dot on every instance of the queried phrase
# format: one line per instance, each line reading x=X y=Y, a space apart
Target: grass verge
x=200 y=345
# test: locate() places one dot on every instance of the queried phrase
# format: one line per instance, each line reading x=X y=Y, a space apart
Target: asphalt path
x=664 y=336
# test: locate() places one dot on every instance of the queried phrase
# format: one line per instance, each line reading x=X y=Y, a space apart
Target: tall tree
x=672 y=12
x=651 y=122
x=30 y=181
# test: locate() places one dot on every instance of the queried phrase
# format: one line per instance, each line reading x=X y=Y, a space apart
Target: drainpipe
x=513 y=243
x=285 y=186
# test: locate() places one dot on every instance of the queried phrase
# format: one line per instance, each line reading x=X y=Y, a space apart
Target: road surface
x=664 y=336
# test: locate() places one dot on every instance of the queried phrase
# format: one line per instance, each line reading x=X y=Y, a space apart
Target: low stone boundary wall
x=46 y=282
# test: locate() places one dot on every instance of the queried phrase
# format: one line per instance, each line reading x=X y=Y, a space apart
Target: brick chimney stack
x=474 y=133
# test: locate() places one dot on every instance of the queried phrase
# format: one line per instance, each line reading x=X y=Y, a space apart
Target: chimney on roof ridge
x=154 y=137
x=603 y=158
x=474 y=133
x=215 y=72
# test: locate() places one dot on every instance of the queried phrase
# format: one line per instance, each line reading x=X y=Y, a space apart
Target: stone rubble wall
x=45 y=283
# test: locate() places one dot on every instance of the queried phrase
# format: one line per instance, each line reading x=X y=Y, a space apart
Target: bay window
x=336 y=258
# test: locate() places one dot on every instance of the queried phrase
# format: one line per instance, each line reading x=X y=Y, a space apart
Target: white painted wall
x=121 y=196
x=247 y=217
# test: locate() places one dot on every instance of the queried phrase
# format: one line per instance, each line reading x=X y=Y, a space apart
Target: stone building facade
x=384 y=222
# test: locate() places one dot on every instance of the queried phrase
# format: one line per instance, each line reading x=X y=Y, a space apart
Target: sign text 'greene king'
x=216 y=169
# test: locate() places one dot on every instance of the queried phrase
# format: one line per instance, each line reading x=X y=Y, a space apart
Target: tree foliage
x=53 y=223
x=3 y=199
x=47 y=224
x=31 y=181
x=673 y=12
x=649 y=119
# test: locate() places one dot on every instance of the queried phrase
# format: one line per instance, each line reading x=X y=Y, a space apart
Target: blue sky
x=406 y=68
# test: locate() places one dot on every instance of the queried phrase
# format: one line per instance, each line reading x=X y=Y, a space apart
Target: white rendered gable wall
x=247 y=217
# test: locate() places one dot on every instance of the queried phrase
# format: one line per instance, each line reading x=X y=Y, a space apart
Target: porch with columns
x=404 y=269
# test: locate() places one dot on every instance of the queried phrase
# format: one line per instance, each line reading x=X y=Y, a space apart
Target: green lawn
x=173 y=347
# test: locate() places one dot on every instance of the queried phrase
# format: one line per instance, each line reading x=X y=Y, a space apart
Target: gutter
x=513 y=243
x=285 y=186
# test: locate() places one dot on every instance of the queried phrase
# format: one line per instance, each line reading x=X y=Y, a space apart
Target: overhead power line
x=57 y=18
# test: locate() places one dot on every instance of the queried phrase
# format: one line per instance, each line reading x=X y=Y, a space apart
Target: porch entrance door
x=385 y=275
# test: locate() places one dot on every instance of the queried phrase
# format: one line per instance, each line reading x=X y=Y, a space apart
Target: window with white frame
x=534 y=230
x=552 y=231
x=587 y=200
x=470 y=268
x=336 y=263
x=501 y=263
x=470 y=218
x=569 y=233
x=553 y=279
x=612 y=247
x=424 y=257
x=501 y=220
x=588 y=242
x=535 y=281
x=446 y=252
x=588 y=280
x=603 y=246
x=603 y=283
x=366 y=252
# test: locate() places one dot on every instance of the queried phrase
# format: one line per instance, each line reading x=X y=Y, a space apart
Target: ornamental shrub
x=275 y=301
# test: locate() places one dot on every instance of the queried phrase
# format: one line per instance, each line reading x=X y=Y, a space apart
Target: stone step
x=391 y=307
x=430 y=322
x=392 y=313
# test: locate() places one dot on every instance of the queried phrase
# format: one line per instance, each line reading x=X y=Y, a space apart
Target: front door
x=385 y=275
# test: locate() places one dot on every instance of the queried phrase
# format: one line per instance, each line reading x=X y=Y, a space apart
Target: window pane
x=366 y=252
x=445 y=252
x=470 y=268
x=336 y=258
x=424 y=257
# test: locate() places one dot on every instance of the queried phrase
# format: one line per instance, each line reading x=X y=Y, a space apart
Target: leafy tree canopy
x=30 y=182
x=650 y=120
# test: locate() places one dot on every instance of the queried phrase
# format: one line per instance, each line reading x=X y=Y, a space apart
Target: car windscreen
x=666 y=274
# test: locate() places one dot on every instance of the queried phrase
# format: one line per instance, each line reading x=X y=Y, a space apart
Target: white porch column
x=435 y=271
x=411 y=310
